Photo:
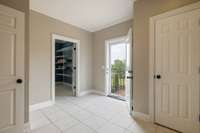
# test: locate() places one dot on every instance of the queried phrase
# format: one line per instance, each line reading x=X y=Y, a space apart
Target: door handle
x=19 y=81
x=129 y=77
x=129 y=71
x=157 y=76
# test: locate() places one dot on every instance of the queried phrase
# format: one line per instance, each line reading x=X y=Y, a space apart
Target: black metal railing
x=118 y=83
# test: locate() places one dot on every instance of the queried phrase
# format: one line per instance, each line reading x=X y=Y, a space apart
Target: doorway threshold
x=117 y=97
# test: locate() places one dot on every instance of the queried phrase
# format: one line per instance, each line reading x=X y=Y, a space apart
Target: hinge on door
x=132 y=108
x=199 y=22
x=199 y=118
x=199 y=69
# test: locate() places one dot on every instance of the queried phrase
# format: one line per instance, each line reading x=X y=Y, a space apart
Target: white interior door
x=11 y=70
x=177 y=42
x=129 y=70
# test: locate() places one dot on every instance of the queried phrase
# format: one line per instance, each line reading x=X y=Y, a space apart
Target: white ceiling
x=91 y=15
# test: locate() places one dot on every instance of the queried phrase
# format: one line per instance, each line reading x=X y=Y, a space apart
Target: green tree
x=119 y=66
x=118 y=71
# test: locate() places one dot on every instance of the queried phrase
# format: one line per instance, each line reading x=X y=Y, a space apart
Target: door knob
x=19 y=81
x=158 y=76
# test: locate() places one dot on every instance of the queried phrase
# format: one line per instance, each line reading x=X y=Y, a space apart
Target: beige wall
x=23 y=5
x=92 y=53
x=143 y=10
x=41 y=29
x=99 y=51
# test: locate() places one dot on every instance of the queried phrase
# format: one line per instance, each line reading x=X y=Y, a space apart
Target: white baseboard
x=98 y=92
x=83 y=93
x=141 y=116
x=41 y=105
x=91 y=92
x=27 y=127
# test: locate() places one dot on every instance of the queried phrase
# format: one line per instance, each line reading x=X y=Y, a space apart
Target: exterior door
x=116 y=67
x=129 y=70
x=11 y=70
x=177 y=67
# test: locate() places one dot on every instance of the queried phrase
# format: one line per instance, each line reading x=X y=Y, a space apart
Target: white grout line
x=80 y=122
x=50 y=121
x=75 y=118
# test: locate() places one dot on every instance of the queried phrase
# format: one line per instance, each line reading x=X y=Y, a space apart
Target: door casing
x=152 y=51
x=108 y=44
x=77 y=43
x=107 y=63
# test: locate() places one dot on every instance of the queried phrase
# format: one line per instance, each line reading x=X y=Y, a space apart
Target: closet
x=64 y=68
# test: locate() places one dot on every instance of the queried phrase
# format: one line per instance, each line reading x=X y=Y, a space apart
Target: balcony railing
x=118 y=83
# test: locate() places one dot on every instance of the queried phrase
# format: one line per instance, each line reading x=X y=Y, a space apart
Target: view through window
x=118 y=68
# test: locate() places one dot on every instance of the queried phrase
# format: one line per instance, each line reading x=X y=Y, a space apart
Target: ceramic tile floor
x=89 y=114
x=63 y=90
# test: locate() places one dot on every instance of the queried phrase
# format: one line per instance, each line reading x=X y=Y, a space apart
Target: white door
x=129 y=70
x=11 y=70
x=177 y=42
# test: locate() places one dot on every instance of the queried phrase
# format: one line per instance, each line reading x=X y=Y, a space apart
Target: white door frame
x=108 y=43
x=152 y=51
x=77 y=43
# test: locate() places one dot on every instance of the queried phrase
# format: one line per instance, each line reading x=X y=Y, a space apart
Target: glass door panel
x=117 y=69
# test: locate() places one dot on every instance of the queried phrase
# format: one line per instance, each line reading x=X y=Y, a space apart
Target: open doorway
x=119 y=71
x=65 y=66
